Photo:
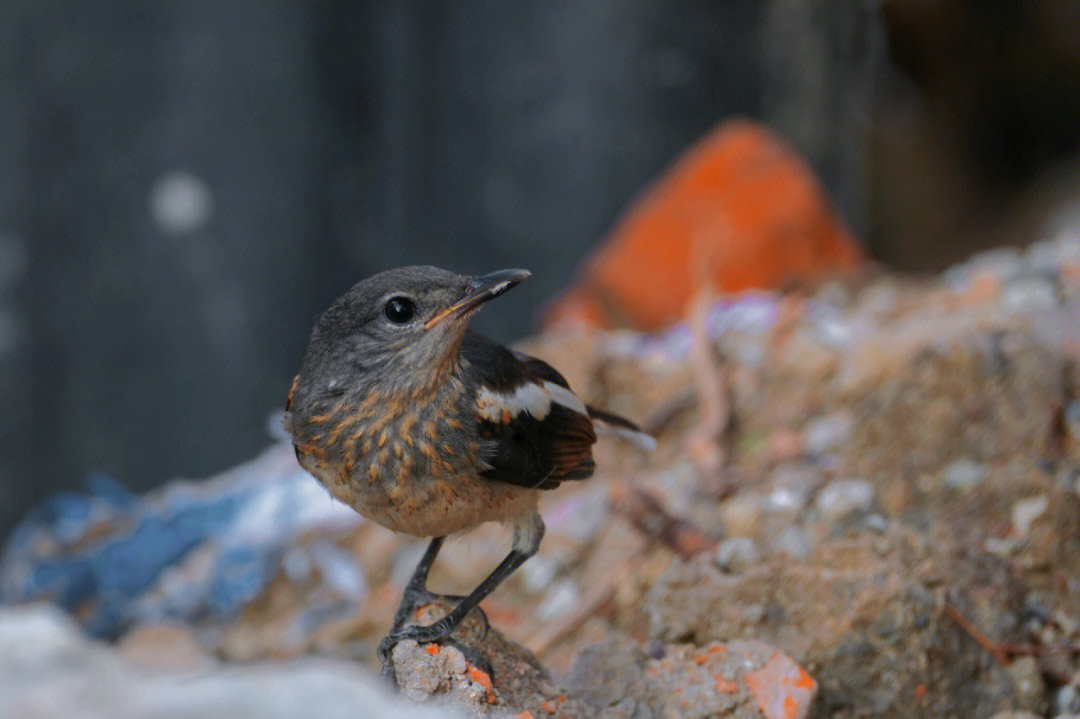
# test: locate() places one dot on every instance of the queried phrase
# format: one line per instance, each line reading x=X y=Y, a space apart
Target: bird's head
x=400 y=327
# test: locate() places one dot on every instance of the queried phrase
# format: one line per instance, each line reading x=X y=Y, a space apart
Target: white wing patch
x=531 y=397
x=563 y=396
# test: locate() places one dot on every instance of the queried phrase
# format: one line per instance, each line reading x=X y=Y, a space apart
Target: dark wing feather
x=518 y=447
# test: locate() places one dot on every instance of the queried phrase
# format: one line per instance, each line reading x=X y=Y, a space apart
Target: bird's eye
x=399 y=310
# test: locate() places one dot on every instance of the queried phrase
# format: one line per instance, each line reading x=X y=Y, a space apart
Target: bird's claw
x=438 y=632
x=420 y=634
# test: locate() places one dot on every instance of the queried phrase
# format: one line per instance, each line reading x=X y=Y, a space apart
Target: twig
x=649 y=516
x=984 y=641
x=1035 y=650
x=706 y=442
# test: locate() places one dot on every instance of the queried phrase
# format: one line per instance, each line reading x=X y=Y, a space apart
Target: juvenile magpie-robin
x=428 y=428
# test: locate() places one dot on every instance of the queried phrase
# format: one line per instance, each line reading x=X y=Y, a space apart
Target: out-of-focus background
x=184 y=185
x=865 y=499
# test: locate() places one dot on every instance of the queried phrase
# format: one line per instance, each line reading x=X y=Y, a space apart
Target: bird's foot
x=421 y=634
x=439 y=632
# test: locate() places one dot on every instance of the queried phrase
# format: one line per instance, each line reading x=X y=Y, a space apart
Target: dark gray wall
x=331 y=140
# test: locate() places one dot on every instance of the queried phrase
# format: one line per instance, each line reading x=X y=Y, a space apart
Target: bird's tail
x=607 y=424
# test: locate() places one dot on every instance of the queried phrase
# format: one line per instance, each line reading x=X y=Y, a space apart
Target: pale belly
x=429 y=500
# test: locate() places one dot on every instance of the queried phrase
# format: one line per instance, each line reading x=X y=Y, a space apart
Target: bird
x=428 y=428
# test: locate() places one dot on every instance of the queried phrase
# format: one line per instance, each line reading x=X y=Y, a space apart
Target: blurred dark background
x=185 y=185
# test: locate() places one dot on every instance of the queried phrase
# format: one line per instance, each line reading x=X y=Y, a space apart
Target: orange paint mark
x=791 y=707
x=561 y=698
x=725 y=686
x=920 y=690
x=717 y=649
x=432 y=649
x=804 y=680
x=481 y=677
x=524 y=715
x=701 y=658
x=547 y=706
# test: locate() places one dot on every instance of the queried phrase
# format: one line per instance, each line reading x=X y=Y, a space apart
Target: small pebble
x=1002 y=262
x=828 y=432
x=792 y=484
x=829 y=328
x=842 y=497
x=963 y=474
x=742 y=515
x=736 y=554
x=876 y=523
x=1067 y=701
x=793 y=541
x=1030 y=294
x=1026 y=511
x=1028 y=681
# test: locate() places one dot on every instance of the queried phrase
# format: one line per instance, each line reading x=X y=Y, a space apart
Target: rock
x=827 y=433
x=707 y=220
x=782 y=689
x=842 y=497
x=1026 y=511
x=1029 y=294
x=736 y=679
x=1028 y=682
x=862 y=616
x=609 y=675
x=962 y=474
x=441 y=674
x=996 y=395
x=736 y=553
x=742 y=515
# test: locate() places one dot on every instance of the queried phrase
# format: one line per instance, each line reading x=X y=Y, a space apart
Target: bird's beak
x=478 y=291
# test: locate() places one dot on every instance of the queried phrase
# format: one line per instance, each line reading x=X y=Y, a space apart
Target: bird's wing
x=535 y=432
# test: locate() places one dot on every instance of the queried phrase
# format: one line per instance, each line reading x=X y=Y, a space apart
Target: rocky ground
x=864 y=502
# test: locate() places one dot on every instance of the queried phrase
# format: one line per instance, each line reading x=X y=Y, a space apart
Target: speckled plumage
x=429 y=429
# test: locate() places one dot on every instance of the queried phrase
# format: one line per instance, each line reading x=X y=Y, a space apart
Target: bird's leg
x=416 y=592
x=527 y=536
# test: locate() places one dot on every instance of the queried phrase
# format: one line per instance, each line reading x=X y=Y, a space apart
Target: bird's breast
x=406 y=460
